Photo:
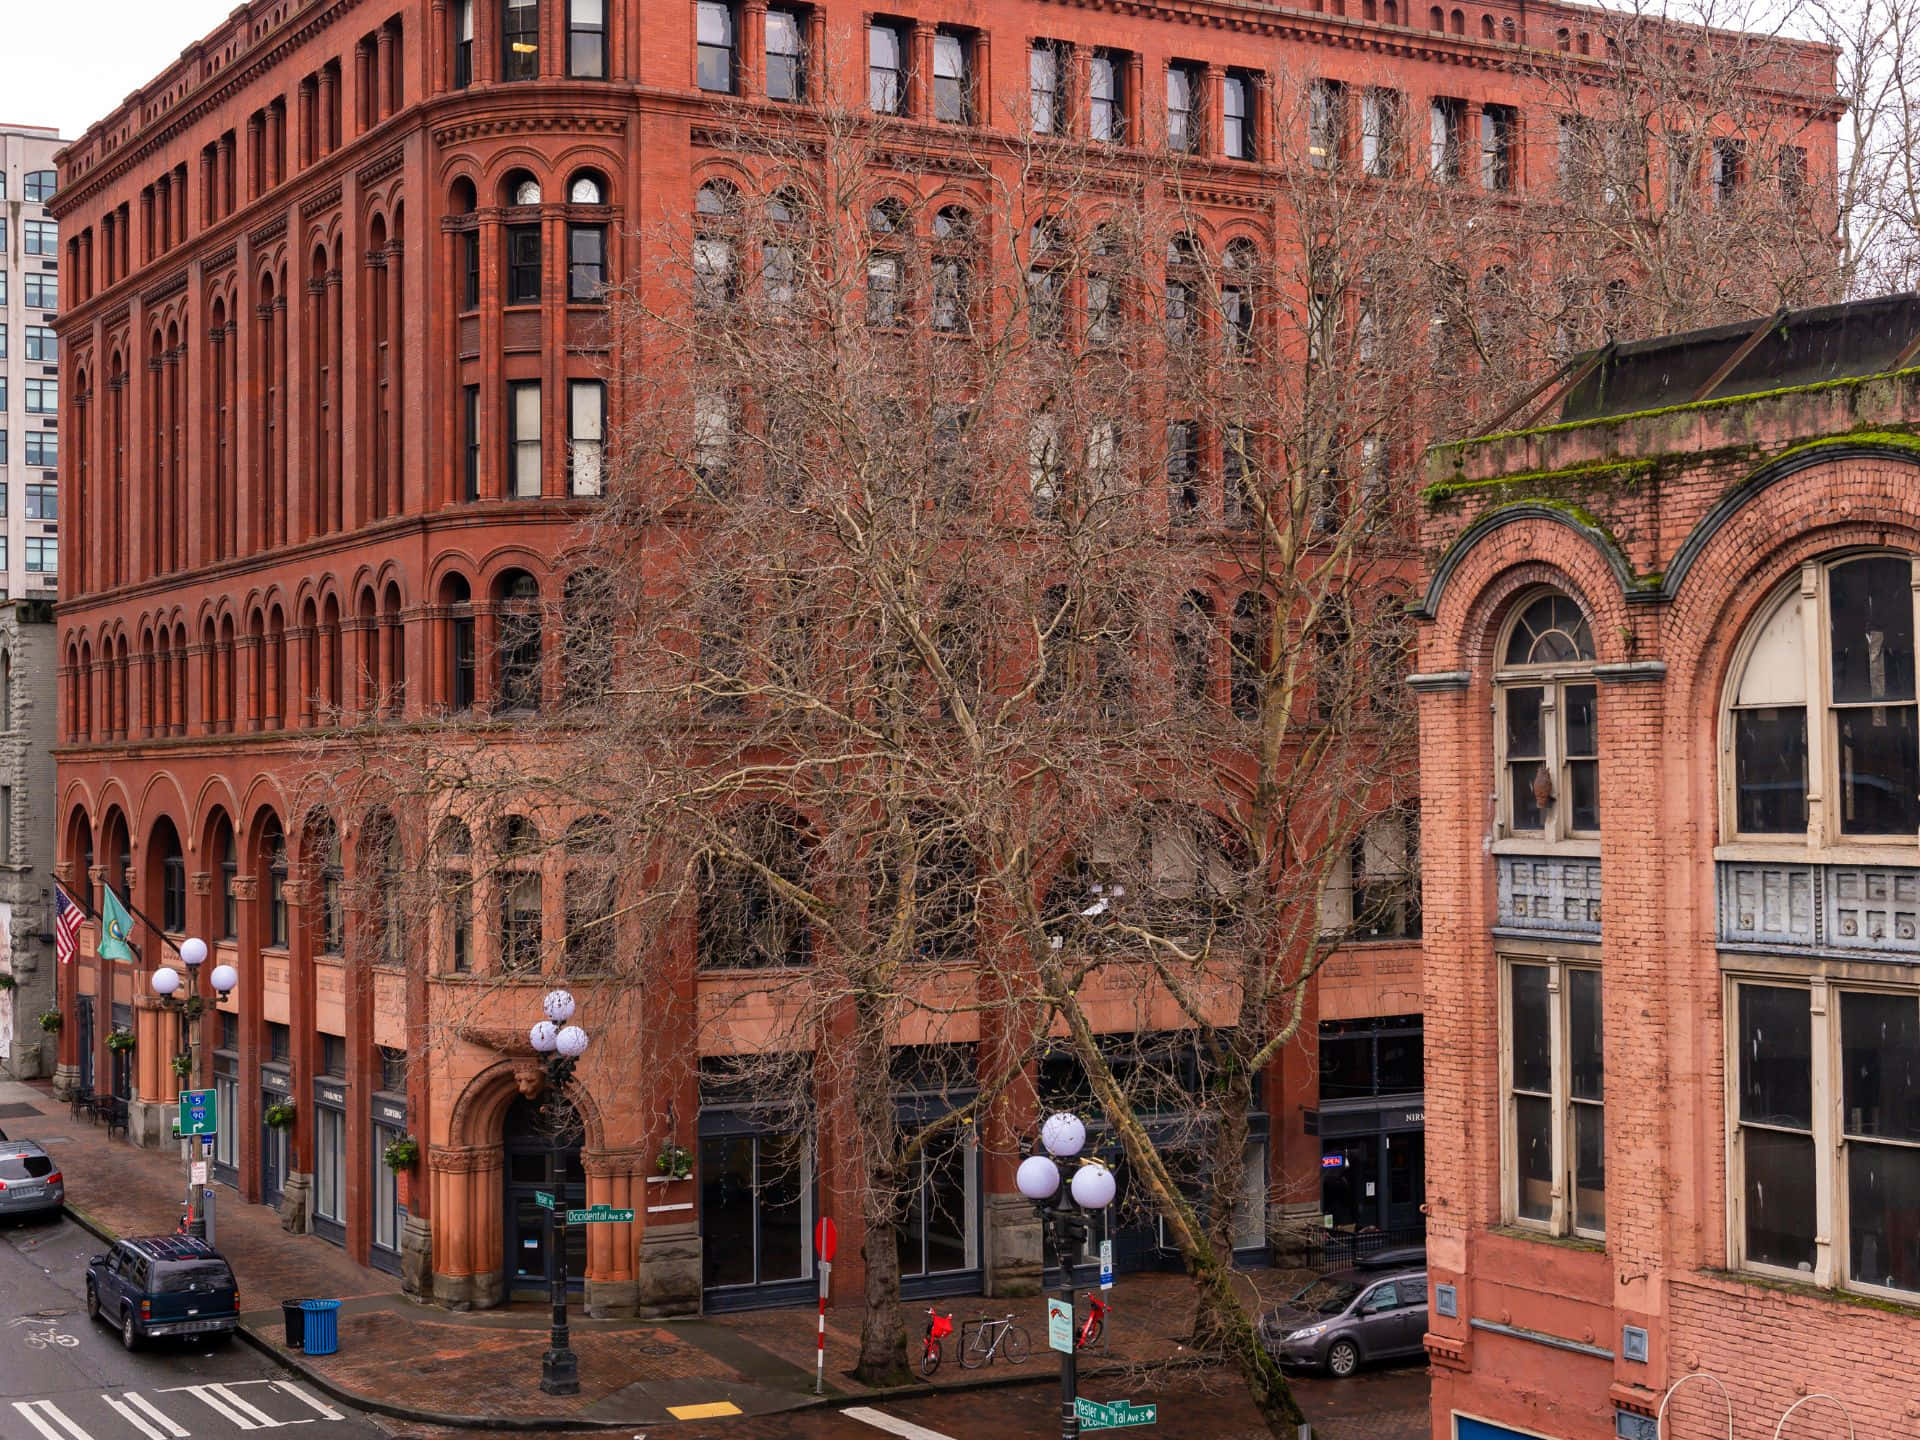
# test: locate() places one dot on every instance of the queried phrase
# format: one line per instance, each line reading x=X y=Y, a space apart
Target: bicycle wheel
x=976 y=1348
x=930 y=1358
x=1096 y=1327
x=1016 y=1345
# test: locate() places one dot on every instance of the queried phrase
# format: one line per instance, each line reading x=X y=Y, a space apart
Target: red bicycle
x=938 y=1328
x=1095 y=1324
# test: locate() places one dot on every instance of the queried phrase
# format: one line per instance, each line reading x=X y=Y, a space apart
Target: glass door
x=273 y=1153
x=756 y=1217
x=535 y=1166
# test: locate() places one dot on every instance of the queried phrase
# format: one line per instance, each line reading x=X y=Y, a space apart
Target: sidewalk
x=480 y=1368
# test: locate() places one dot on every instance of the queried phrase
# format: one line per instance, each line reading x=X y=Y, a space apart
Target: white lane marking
x=33 y=1410
x=261 y=1418
x=327 y=1411
x=892 y=1425
x=134 y=1397
x=227 y=1406
x=126 y=1413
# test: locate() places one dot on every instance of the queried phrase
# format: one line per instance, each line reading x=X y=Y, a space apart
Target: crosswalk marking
x=35 y=1410
x=222 y=1400
x=893 y=1425
x=134 y=1397
x=124 y=1407
x=326 y=1411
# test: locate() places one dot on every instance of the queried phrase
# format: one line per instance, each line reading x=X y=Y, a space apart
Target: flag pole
x=132 y=909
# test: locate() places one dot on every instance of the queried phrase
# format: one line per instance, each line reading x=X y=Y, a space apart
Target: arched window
x=586 y=188
x=386 y=912
x=590 y=896
x=586 y=613
x=456 y=601
x=1193 y=647
x=517 y=614
x=747 y=917
x=228 y=854
x=886 y=264
x=717 y=198
x=171 y=862
x=1855 y=728
x=1240 y=271
x=953 y=239
x=1247 y=679
x=521 y=936
x=453 y=855
x=323 y=852
x=1548 y=741
x=273 y=853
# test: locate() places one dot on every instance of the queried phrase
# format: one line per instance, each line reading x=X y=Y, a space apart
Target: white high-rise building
x=29 y=365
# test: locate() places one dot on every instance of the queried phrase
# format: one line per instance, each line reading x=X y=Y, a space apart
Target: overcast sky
x=74 y=60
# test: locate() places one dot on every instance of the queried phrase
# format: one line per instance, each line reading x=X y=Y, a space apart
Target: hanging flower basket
x=401 y=1154
x=120 y=1041
x=183 y=1065
x=280 y=1116
x=675 y=1162
x=50 y=1021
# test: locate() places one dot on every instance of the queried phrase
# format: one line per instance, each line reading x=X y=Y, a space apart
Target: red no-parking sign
x=826 y=1239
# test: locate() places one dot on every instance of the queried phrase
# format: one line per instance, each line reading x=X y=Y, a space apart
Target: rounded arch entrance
x=490 y=1237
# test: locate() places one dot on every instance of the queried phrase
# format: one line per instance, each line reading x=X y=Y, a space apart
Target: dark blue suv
x=163 y=1285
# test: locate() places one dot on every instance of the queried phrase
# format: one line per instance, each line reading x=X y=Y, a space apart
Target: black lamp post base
x=560 y=1373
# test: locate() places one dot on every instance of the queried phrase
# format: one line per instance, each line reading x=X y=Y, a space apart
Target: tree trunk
x=1224 y=1198
x=883 y=1335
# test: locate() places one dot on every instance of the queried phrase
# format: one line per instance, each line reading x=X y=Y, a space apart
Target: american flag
x=66 y=926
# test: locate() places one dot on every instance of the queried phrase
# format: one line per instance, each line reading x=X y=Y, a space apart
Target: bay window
x=1555 y=1142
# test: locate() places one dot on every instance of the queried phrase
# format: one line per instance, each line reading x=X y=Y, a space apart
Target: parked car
x=1349 y=1316
x=30 y=1181
x=163 y=1285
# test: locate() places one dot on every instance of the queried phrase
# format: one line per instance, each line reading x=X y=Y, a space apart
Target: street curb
x=323 y=1382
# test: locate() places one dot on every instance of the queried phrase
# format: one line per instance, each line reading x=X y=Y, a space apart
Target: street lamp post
x=1064 y=1209
x=560 y=1044
x=167 y=983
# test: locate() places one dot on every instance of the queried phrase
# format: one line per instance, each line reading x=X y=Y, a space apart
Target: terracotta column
x=249 y=1002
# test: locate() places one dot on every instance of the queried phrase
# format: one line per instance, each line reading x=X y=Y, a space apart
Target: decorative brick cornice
x=167 y=288
x=1438 y=681
x=268 y=232
x=379 y=168
x=1629 y=671
x=492 y=126
x=320 y=202
x=219 y=259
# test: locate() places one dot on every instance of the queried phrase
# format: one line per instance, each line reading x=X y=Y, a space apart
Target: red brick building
x=333 y=348
x=1671 y=795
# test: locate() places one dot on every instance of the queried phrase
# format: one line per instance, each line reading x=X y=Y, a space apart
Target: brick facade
x=267 y=347
x=1670 y=529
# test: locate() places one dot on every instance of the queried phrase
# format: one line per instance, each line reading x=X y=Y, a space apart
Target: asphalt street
x=65 y=1377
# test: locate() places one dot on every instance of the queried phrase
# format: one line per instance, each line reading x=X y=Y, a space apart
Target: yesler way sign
x=1096 y=1416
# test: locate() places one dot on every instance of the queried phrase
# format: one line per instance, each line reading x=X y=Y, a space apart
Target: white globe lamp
x=1063 y=1134
x=1037 y=1178
x=165 y=981
x=1093 y=1186
x=543 y=1036
x=193 y=952
x=224 y=978
x=571 y=1041
x=559 y=1006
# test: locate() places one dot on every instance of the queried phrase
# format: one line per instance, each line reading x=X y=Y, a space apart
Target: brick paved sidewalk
x=417 y=1360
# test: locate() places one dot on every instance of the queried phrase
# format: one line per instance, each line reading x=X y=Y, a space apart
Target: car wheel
x=129 y=1336
x=93 y=1301
x=1343 y=1358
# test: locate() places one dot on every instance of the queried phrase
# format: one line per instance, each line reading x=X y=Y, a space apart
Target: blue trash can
x=322 y=1326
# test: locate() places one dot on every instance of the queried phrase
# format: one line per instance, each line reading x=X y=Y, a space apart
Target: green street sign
x=1096 y=1416
x=543 y=1200
x=198 y=1113
x=598 y=1215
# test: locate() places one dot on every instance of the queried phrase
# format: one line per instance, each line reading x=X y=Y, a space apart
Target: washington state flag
x=116 y=927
